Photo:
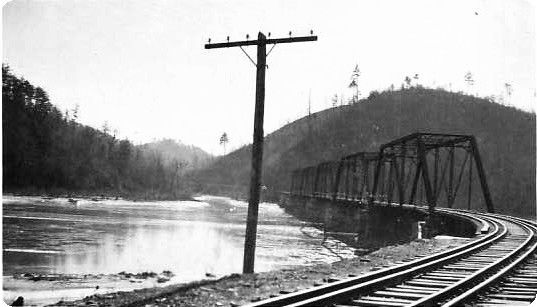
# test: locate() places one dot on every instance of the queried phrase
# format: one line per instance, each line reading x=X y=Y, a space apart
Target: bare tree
x=335 y=99
x=509 y=91
x=309 y=103
x=106 y=127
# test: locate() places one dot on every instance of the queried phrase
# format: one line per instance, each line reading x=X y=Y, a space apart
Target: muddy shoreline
x=238 y=289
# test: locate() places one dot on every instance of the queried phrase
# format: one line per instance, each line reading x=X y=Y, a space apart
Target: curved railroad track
x=498 y=267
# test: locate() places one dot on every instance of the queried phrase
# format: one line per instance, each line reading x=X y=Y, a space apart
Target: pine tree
x=354 y=84
x=224 y=140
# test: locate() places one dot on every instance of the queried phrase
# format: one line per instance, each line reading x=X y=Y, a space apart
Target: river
x=192 y=239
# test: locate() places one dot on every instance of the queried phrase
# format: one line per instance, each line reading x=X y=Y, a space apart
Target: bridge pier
x=373 y=226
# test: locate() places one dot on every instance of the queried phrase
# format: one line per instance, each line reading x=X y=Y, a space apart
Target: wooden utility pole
x=257 y=147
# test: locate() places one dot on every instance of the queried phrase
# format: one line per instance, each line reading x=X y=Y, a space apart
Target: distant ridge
x=171 y=150
x=505 y=136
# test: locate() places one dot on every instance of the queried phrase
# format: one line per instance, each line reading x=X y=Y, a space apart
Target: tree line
x=412 y=80
x=45 y=150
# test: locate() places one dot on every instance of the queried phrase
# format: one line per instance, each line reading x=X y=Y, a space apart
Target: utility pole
x=257 y=147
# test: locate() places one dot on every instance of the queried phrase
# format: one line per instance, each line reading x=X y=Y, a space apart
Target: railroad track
x=498 y=267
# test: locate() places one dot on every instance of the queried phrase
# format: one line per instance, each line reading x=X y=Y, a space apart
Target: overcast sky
x=141 y=65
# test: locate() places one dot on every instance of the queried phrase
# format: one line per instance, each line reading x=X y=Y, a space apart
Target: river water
x=189 y=238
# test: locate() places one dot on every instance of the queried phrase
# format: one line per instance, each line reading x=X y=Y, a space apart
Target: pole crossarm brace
x=256 y=42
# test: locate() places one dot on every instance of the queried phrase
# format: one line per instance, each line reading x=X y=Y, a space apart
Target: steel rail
x=460 y=299
x=352 y=284
x=451 y=290
x=474 y=252
x=398 y=277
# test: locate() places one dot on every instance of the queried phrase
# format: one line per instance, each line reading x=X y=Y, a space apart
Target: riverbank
x=41 y=289
x=55 y=250
x=97 y=195
x=237 y=289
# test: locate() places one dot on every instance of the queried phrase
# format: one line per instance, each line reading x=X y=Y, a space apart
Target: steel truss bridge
x=418 y=169
x=497 y=267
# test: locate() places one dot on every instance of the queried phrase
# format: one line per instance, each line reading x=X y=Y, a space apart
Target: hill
x=189 y=156
x=505 y=136
x=46 y=151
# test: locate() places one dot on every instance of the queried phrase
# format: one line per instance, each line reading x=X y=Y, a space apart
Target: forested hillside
x=188 y=156
x=505 y=136
x=45 y=151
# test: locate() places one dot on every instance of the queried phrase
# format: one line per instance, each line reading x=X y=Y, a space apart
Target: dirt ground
x=238 y=289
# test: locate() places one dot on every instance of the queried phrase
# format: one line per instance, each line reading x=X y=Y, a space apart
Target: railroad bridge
x=418 y=169
x=380 y=197
x=419 y=176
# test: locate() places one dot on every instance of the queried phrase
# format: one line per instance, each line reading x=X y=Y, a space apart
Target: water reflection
x=192 y=248
x=188 y=238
